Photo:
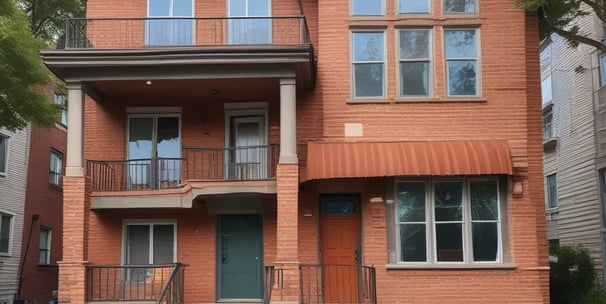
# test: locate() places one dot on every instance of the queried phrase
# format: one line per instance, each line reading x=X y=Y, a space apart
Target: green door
x=240 y=259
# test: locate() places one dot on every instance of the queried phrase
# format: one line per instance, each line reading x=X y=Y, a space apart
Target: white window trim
x=351 y=9
x=11 y=233
x=476 y=9
x=6 y=157
x=547 y=207
x=428 y=12
x=353 y=63
x=60 y=156
x=48 y=244
x=430 y=234
x=430 y=59
x=477 y=59
x=150 y=223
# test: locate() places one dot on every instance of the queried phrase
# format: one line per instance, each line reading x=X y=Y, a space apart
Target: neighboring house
x=574 y=142
x=13 y=177
x=43 y=216
x=303 y=152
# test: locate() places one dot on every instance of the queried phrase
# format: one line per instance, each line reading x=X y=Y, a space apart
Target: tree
x=47 y=17
x=558 y=16
x=21 y=73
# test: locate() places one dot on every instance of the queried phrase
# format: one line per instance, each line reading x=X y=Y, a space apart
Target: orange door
x=340 y=244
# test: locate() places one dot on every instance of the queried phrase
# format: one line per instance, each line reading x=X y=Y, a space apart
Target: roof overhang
x=326 y=160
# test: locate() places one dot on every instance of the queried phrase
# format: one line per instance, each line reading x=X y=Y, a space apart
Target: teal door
x=240 y=259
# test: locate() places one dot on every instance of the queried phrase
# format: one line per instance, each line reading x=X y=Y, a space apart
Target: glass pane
x=603 y=69
x=339 y=205
x=237 y=8
x=414 y=79
x=3 y=150
x=368 y=80
x=182 y=8
x=368 y=46
x=460 y=44
x=484 y=200
x=168 y=137
x=163 y=244
x=546 y=90
x=485 y=241
x=137 y=239
x=253 y=31
x=459 y=6
x=258 y=7
x=411 y=202
x=43 y=238
x=448 y=201
x=461 y=78
x=413 y=245
x=367 y=7
x=159 y=8
x=449 y=242
x=5 y=232
x=414 y=6
x=414 y=44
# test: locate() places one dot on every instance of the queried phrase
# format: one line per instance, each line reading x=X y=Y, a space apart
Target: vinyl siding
x=12 y=201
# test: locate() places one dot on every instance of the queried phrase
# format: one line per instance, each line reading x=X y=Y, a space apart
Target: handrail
x=337 y=283
x=172 y=294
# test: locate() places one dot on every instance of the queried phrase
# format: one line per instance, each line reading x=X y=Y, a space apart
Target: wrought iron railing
x=196 y=163
x=158 y=283
x=337 y=284
x=185 y=31
x=273 y=280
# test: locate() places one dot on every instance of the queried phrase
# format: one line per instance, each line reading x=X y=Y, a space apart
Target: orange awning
x=372 y=159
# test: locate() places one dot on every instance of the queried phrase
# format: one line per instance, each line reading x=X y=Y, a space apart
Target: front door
x=340 y=247
x=240 y=259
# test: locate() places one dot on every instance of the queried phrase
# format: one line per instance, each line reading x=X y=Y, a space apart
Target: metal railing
x=274 y=277
x=158 y=283
x=185 y=31
x=337 y=284
x=196 y=163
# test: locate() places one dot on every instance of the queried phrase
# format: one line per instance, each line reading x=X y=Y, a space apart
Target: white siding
x=12 y=201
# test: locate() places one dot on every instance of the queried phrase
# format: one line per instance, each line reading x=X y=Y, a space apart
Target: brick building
x=303 y=152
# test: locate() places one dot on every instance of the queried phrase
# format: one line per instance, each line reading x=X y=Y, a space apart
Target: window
x=461 y=62
x=448 y=220
x=60 y=100
x=150 y=243
x=3 y=154
x=415 y=62
x=367 y=7
x=459 y=6
x=547 y=125
x=5 y=232
x=551 y=191
x=56 y=167
x=368 y=54
x=45 y=246
x=256 y=30
x=414 y=6
x=170 y=23
x=603 y=69
x=546 y=93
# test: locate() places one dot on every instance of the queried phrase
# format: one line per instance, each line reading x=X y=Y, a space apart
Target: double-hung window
x=5 y=232
x=170 y=22
x=461 y=62
x=61 y=100
x=413 y=6
x=547 y=124
x=45 y=246
x=56 y=168
x=602 y=69
x=551 y=191
x=3 y=154
x=368 y=64
x=448 y=221
x=367 y=7
x=459 y=6
x=415 y=59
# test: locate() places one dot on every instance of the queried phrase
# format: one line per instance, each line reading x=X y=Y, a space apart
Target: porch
x=165 y=284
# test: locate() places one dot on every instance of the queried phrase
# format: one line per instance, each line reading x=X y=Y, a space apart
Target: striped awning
x=407 y=158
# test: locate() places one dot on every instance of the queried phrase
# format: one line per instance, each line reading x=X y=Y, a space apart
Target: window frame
x=551 y=198
x=602 y=62
x=61 y=99
x=55 y=174
x=429 y=8
x=353 y=13
x=476 y=59
x=475 y=8
x=429 y=60
x=467 y=223
x=150 y=224
x=4 y=156
x=11 y=229
x=46 y=250
x=383 y=62
x=547 y=123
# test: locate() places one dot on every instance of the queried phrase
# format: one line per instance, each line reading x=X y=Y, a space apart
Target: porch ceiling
x=210 y=62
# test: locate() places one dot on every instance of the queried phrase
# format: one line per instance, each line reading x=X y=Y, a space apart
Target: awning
x=407 y=158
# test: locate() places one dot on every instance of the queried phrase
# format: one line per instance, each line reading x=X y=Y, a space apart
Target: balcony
x=196 y=164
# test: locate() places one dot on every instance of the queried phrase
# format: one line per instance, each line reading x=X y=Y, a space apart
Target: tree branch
x=598 y=8
x=579 y=38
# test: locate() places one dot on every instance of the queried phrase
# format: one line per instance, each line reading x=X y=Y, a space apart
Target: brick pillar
x=76 y=206
x=287 y=257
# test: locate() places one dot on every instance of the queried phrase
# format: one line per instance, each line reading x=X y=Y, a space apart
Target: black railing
x=196 y=163
x=337 y=284
x=158 y=283
x=273 y=280
x=185 y=31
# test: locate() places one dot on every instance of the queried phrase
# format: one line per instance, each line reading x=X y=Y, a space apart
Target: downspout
x=35 y=218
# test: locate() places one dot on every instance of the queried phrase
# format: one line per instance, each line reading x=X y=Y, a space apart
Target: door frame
x=218 y=262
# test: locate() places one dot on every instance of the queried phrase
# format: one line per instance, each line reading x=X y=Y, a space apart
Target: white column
x=75 y=134
x=288 y=121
